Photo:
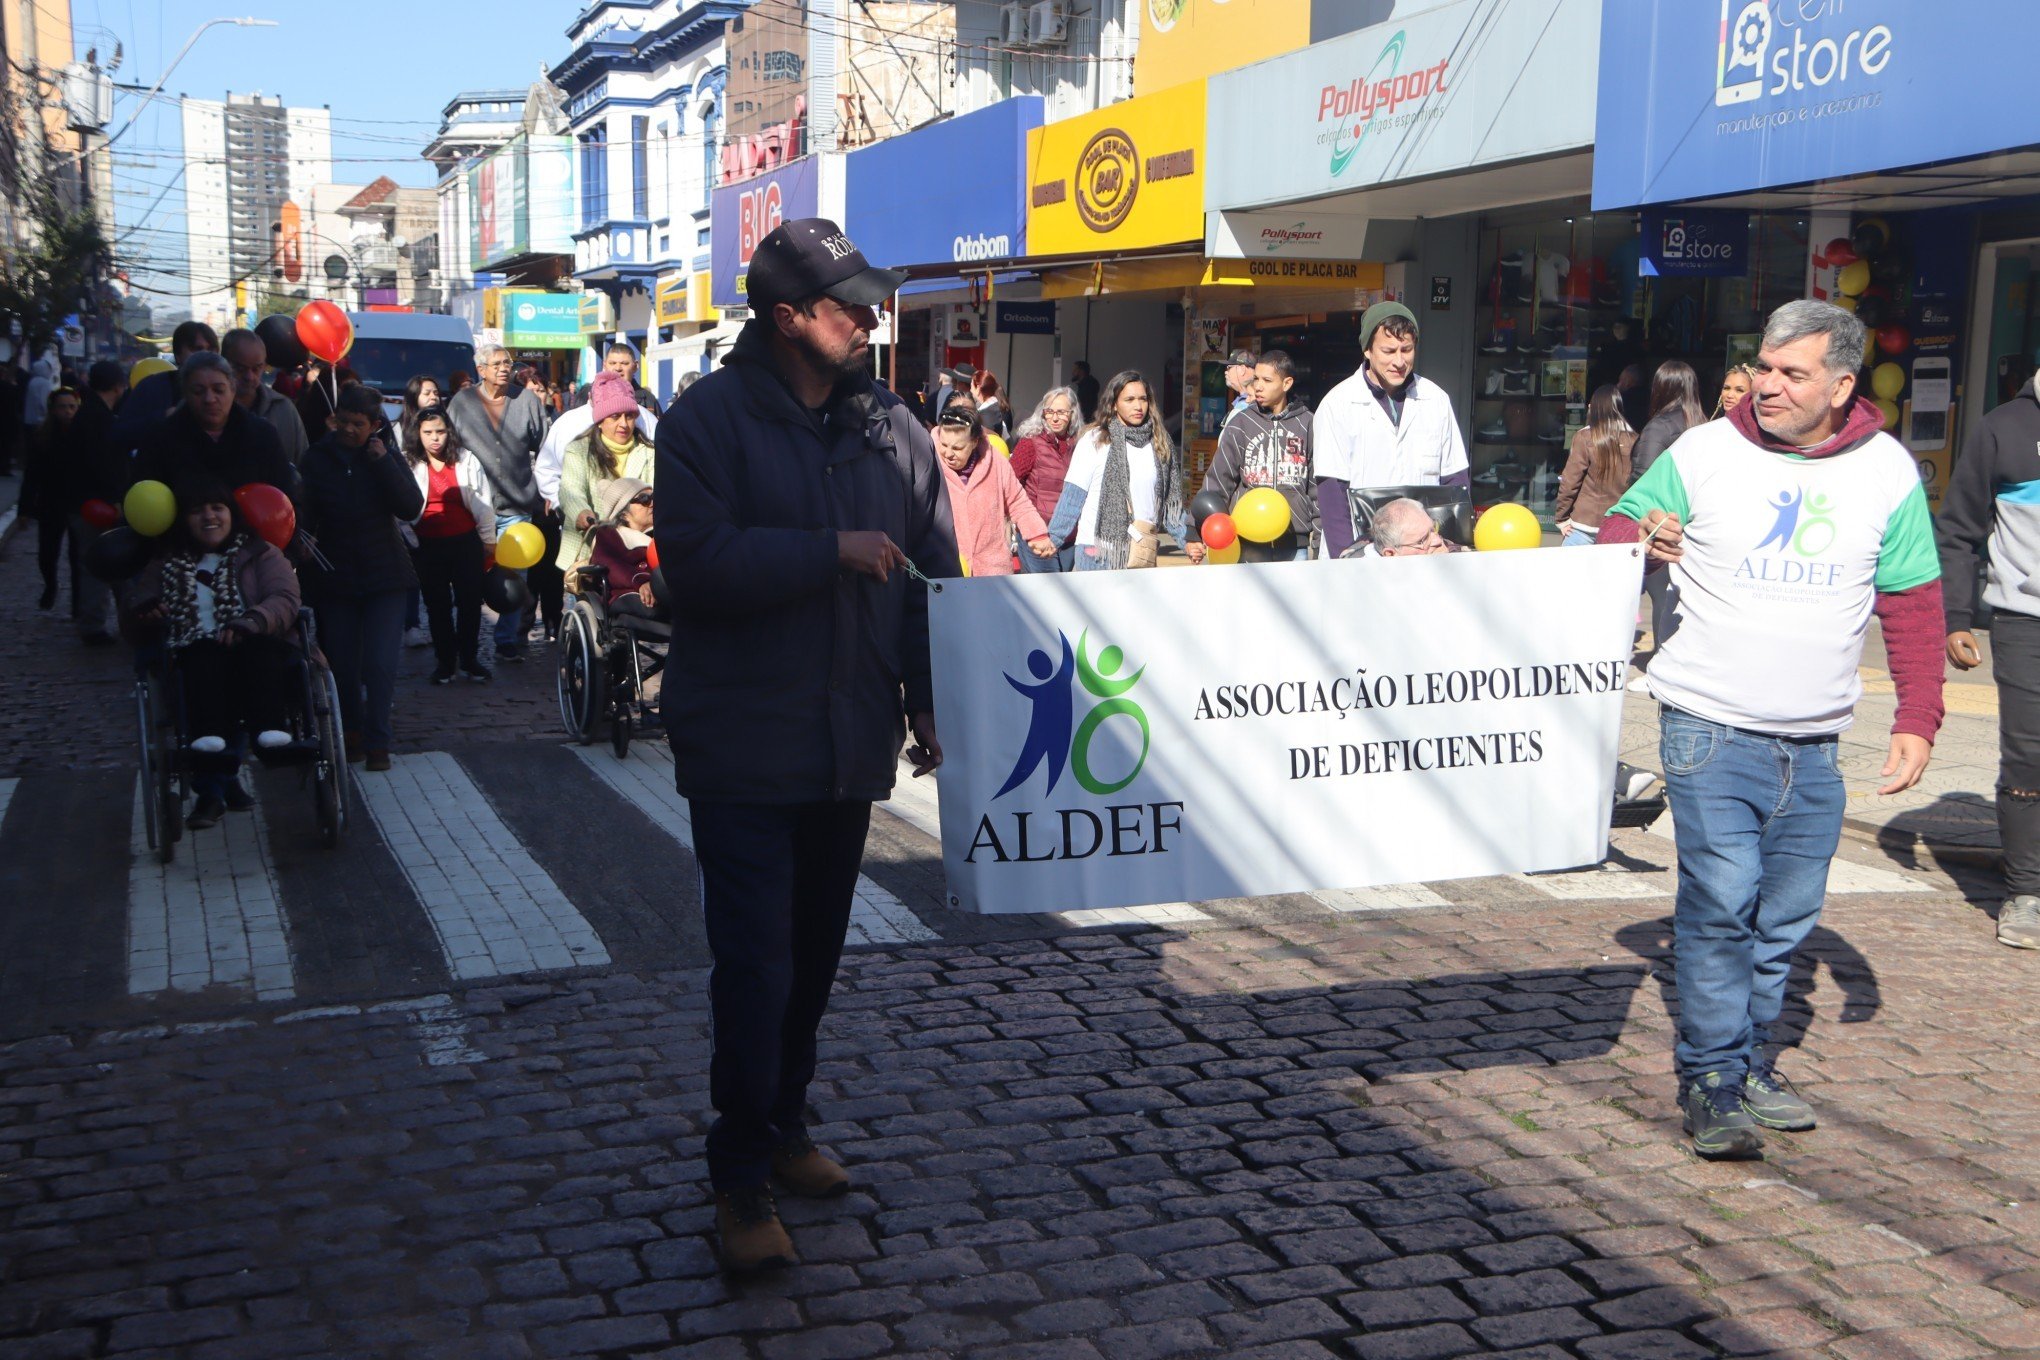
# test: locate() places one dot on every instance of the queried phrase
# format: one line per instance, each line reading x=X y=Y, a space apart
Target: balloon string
x=915 y=572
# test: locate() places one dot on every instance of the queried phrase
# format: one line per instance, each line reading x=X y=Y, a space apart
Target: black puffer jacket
x=351 y=506
x=246 y=451
x=790 y=678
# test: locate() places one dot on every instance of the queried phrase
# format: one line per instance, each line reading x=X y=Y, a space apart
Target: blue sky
x=385 y=69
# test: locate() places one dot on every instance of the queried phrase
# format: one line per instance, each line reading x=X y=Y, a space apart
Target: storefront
x=1873 y=156
x=542 y=329
x=1456 y=146
x=948 y=204
x=686 y=335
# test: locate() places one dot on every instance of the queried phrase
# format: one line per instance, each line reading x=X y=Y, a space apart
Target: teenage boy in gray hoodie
x=1267 y=443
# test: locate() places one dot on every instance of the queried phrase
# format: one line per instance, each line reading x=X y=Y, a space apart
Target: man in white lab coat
x=1384 y=426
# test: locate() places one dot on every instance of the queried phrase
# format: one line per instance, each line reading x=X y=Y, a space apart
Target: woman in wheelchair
x=621 y=545
x=223 y=602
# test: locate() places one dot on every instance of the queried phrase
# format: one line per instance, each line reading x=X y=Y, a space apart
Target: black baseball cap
x=811 y=255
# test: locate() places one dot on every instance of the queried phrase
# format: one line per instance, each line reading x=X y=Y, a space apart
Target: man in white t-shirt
x=1384 y=426
x=1782 y=528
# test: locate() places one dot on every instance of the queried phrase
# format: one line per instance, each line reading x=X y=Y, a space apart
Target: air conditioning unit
x=1048 y=23
x=1013 y=25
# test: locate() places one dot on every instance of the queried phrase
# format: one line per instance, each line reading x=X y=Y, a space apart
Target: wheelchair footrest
x=1641 y=812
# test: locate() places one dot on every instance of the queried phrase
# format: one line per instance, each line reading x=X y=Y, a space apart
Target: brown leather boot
x=747 y=1222
x=800 y=1166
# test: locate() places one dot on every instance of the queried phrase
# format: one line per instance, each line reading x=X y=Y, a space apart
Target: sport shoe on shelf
x=2019 y=922
x=747 y=1224
x=1721 y=1129
x=1494 y=432
x=1772 y=1102
x=442 y=675
x=1493 y=387
x=418 y=636
x=800 y=1166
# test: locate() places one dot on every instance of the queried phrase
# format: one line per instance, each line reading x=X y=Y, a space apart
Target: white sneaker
x=270 y=740
x=420 y=636
x=1640 y=685
x=208 y=746
x=1632 y=783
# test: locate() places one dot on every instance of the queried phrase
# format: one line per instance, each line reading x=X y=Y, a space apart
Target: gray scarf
x=1115 y=504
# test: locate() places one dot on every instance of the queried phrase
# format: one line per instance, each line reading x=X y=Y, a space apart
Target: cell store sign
x=1706 y=97
x=1696 y=243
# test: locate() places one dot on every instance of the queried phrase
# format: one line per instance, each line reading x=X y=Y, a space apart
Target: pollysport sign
x=1100 y=756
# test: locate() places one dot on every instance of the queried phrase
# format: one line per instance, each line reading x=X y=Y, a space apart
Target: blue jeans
x=1758 y=819
x=510 y=628
x=1064 y=560
x=1575 y=539
x=361 y=636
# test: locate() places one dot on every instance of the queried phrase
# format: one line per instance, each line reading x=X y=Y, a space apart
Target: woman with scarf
x=222 y=601
x=1125 y=485
x=613 y=448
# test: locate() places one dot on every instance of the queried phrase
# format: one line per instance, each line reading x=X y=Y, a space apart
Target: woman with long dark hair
x=1125 y=484
x=456 y=533
x=1674 y=409
x=1597 y=470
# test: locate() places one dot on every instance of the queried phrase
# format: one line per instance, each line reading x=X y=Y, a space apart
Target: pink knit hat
x=610 y=396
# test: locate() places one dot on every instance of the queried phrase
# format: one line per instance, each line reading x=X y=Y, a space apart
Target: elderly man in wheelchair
x=616 y=634
x=225 y=654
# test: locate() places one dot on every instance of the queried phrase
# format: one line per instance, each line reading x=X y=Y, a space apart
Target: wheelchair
x=605 y=659
x=168 y=767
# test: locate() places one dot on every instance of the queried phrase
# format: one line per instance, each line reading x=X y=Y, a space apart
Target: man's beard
x=833 y=367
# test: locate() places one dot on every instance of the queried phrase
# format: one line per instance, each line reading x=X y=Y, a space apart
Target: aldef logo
x=1058 y=742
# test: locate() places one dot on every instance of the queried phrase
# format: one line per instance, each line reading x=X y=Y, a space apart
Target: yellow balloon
x=1225 y=556
x=1507 y=526
x=1844 y=301
x=1889 y=410
x=150 y=508
x=520 y=546
x=145 y=367
x=1887 y=380
x=1262 y=516
x=1854 y=278
x=1005 y=449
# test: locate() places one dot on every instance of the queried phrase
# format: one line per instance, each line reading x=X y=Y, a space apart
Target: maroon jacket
x=1042 y=462
x=628 y=568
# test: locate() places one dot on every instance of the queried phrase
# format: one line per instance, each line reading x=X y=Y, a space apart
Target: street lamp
x=182 y=52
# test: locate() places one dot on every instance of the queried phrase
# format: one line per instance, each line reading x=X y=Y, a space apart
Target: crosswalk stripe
x=917 y=802
x=1844 y=876
x=645 y=780
x=210 y=917
x=1588 y=885
x=493 y=907
x=1388 y=897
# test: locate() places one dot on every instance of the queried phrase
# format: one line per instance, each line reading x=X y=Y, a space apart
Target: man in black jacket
x=96 y=471
x=793 y=494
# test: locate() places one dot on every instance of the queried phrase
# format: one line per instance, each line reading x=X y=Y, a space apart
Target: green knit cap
x=1371 y=319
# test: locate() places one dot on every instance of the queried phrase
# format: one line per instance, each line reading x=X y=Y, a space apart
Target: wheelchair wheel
x=619 y=733
x=581 y=685
x=329 y=771
x=145 y=727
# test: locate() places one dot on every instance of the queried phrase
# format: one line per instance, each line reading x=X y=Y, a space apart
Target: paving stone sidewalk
x=1435 y=1134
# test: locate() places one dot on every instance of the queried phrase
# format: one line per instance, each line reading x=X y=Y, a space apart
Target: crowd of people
x=804 y=507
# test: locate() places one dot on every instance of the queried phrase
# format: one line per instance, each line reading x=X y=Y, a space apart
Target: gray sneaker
x=2019 y=922
x=1722 y=1129
x=1772 y=1102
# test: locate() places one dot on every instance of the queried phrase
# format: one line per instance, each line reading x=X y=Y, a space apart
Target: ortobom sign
x=1102 y=755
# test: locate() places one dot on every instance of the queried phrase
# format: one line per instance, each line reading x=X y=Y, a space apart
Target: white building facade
x=250 y=167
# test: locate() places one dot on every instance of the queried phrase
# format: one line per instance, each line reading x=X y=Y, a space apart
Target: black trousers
x=546 y=579
x=2015 y=664
x=226 y=688
x=450 y=579
x=776 y=888
x=50 y=532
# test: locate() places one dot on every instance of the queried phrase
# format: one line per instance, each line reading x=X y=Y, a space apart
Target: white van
x=391 y=348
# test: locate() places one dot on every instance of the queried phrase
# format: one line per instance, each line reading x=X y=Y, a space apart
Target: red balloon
x=652 y=555
x=1893 y=340
x=268 y=512
x=325 y=331
x=99 y=514
x=1219 y=532
x=1840 y=252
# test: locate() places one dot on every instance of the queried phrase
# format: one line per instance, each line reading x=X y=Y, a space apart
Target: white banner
x=1124 y=738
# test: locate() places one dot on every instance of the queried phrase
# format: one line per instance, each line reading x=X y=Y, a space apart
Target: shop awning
x=717 y=339
x=1175 y=273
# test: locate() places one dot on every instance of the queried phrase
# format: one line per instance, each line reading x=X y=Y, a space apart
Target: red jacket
x=1042 y=462
x=628 y=568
